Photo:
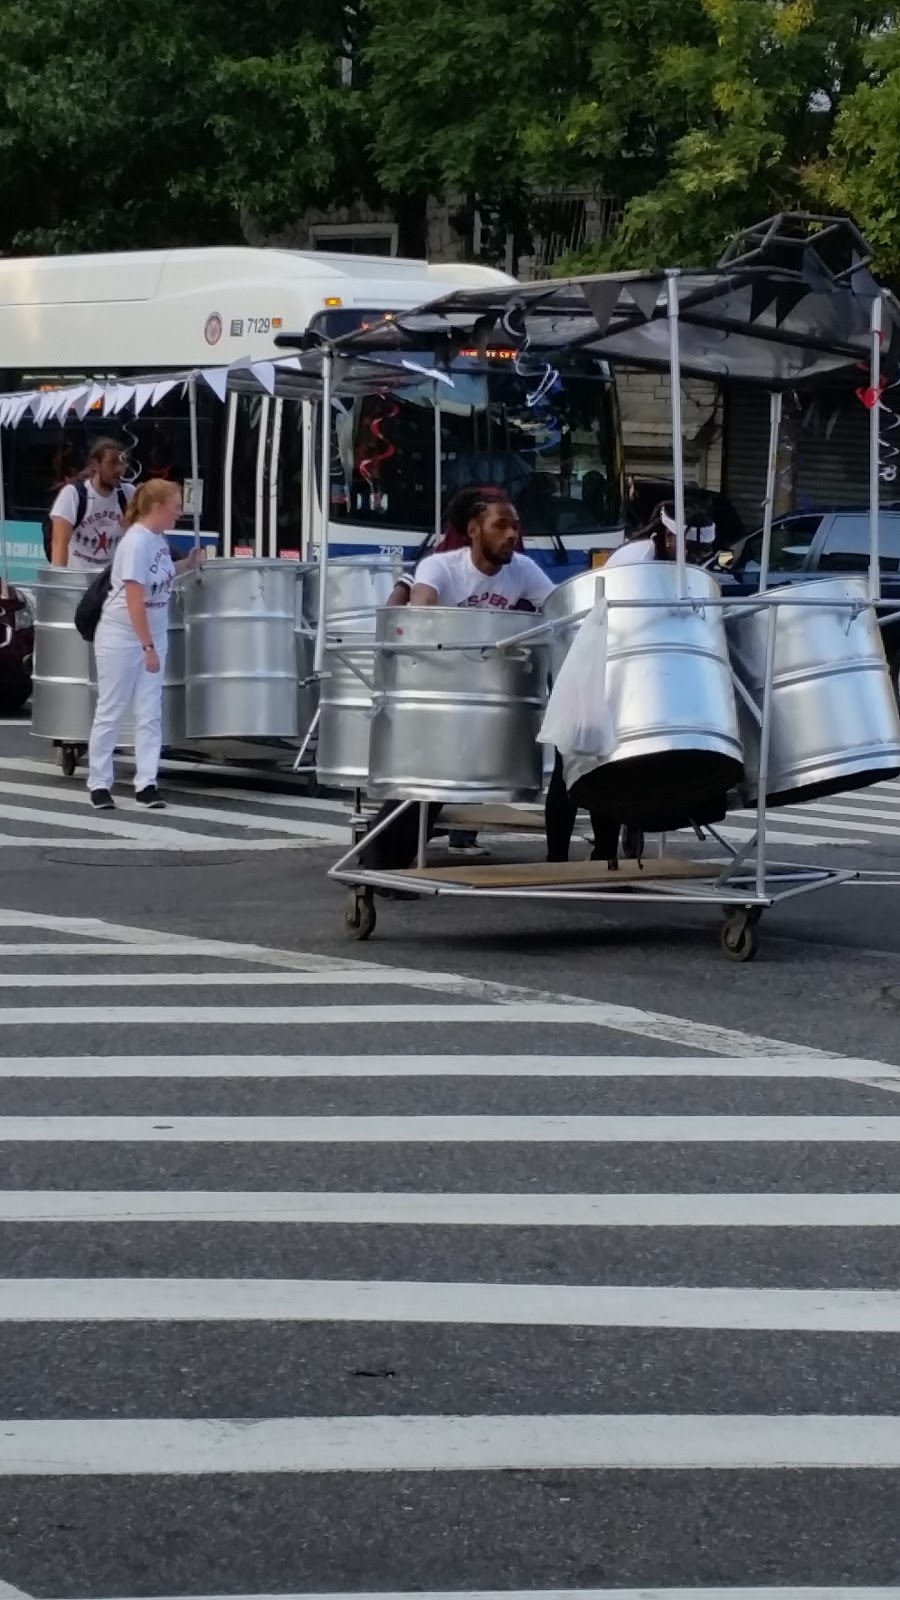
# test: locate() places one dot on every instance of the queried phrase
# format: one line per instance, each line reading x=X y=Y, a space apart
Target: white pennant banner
x=217 y=380
x=124 y=394
x=143 y=395
x=164 y=387
x=264 y=373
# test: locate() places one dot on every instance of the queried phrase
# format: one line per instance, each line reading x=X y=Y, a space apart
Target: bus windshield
x=556 y=452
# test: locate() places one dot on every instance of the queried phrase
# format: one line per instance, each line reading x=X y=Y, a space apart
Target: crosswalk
x=416 y=1284
x=214 y=808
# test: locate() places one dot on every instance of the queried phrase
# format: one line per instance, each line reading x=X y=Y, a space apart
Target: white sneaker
x=472 y=852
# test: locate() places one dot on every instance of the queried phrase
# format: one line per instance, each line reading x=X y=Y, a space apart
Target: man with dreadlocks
x=480 y=562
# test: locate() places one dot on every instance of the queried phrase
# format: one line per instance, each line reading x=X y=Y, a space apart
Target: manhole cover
x=137 y=859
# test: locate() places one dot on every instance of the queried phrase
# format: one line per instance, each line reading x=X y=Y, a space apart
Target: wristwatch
x=147 y=647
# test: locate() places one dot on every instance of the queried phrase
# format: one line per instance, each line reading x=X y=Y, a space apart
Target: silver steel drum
x=62 y=702
x=357 y=587
x=304 y=647
x=453 y=724
x=240 y=651
x=834 y=720
x=174 y=694
x=669 y=692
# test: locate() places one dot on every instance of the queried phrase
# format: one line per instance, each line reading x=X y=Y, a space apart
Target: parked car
x=821 y=544
x=16 y=646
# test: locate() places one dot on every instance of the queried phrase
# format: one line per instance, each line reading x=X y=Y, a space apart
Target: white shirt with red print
x=458 y=582
x=93 y=543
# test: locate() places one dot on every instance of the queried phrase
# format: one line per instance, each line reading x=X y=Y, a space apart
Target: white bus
x=67 y=318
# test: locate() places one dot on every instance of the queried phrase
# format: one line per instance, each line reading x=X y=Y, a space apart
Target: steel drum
x=357 y=587
x=834 y=720
x=240 y=652
x=670 y=695
x=454 y=724
x=62 y=702
x=174 y=707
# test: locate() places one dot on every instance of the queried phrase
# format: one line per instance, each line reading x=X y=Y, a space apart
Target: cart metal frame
x=740 y=891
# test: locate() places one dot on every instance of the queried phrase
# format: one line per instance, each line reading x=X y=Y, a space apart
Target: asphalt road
x=523 y=1247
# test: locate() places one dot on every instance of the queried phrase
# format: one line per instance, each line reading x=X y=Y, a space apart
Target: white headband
x=702 y=535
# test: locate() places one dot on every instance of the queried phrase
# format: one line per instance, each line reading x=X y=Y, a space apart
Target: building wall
x=645 y=402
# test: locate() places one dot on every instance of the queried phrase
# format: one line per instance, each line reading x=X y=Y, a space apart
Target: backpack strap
x=123 y=499
x=81 y=498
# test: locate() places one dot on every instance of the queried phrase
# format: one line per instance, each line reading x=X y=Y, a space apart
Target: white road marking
x=7 y=1592
x=826 y=823
x=124 y=803
x=136 y=833
x=735 y=834
x=340 y=977
x=454 y=1210
x=579 y=1013
x=680 y=1031
x=168 y=1129
x=165 y=839
x=785 y=1592
x=478 y=1066
x=141 y=1446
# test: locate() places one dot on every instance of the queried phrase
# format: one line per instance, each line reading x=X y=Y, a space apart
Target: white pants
x=123 y=681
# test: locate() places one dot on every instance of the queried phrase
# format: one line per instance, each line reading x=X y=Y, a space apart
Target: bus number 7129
x=259 y=324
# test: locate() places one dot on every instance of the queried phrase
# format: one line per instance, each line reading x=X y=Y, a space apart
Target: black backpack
x=81 y=491
x=90 y=607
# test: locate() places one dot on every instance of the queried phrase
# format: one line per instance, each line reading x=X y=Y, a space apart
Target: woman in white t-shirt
x=130 y=643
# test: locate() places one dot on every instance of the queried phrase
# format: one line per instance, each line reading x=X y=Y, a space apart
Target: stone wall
x=644 y=400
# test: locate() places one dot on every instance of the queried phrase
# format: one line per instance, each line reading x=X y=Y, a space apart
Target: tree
x=862 y=172
x=171 y=125
x=500 y=101
x=762 y=89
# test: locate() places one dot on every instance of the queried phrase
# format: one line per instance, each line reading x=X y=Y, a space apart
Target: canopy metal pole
x=195 y=460
x=875 y=449
x=438 y=463
x=4 y=553
x=672 y=277
x=324 y=508
x=274 y=467
x=227 y=474
x=258 y=511
x=775 y=407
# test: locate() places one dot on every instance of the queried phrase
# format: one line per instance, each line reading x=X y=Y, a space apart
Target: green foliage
x=176 y=121
x=762 y=89
x=167 y=122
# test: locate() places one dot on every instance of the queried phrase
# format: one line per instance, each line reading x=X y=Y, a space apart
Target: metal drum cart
x=779 y=696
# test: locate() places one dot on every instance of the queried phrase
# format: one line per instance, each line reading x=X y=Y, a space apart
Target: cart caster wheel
x=359 y=917
x=68 y=760
x=740 y=936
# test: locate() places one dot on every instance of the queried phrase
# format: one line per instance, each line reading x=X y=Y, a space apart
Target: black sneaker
x=151 y=798
x=102 y=800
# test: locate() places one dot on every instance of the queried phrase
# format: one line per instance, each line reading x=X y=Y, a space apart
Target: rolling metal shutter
x=833 y=453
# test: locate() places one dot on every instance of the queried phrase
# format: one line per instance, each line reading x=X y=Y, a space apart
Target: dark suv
x=814 y=544
x=16 y=646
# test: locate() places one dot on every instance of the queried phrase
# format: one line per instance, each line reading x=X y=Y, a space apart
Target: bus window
x=157 y=445
x=288 y=538
x=556 y=453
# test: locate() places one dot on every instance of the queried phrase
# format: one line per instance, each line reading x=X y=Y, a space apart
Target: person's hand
x=151 y=660
x=196 y=557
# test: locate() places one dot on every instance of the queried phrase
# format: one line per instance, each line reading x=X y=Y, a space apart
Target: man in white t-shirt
x=488 y=571
x=86 y=516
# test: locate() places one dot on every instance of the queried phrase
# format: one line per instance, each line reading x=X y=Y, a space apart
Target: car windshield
x=791 y=541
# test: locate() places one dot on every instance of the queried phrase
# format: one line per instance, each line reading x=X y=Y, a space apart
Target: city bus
x=556 y=447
